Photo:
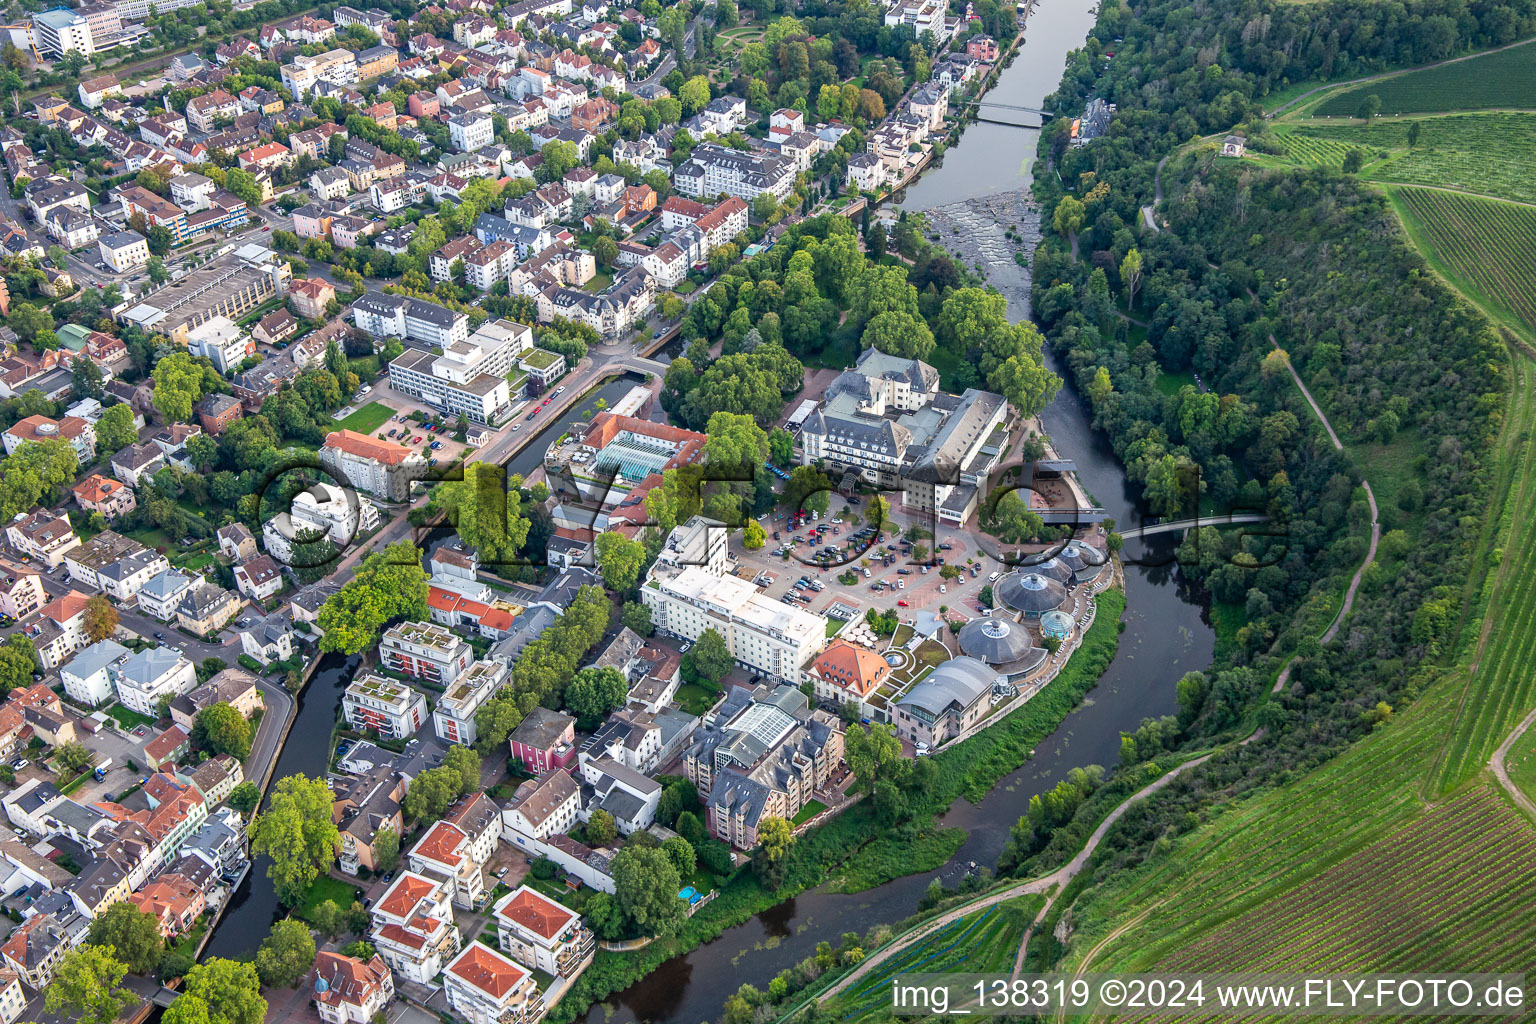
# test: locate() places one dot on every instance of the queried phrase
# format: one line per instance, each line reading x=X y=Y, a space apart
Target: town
x=304 y=339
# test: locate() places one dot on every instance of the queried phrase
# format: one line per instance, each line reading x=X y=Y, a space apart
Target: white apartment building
x=338 y=67
x=400 y=316
x=161 y=595
x=484 y=987
x=88 y=677
x=762 y=635
x=390 y=708
x=150 y=674
x=60 y=30
x=453 y=719
x=372 y=464
x=321 y=509
x=43 y=535
x=117 y=566
x=123 y=250
x=541 y=934
x=222 y=341
x=446 y=854
x=469 y=132
x=425 y=650
x=413 y=928
x=713 y=169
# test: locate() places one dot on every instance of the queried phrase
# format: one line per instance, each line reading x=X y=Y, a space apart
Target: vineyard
x=1501 y=687
x=1452 y=888
x=1485 y=153
x=1487 y=248
x=985 y=942
x=1521 y=763
x=1280 y=855
x=1503 y=78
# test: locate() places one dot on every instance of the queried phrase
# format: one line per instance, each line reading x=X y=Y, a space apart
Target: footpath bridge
x=1233 y=519
x=984 y=106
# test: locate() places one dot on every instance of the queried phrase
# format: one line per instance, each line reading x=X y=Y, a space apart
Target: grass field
x=984 y=942
x=367 y=419
x=325 y=888
x=1485 y=153
x=1504 y=78
x=1399 y=853
x=1485 y=248
x=1521 y=763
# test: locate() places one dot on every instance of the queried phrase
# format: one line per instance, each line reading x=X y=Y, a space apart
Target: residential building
x=413 y=928
x=765 y=753
x=542 y=934
x=137 y=461
x=624 y=793
x=425 y=650
x=233 y=686
x=236 y=542
x=124 y=251
x=388 y=707
x=444 y=854
x=310 y=297
x=364 y=805
x=207 y=609
x=540 y=808
x=982 y=48
x=21 y=590
x=173 y=901
x=162 y=593
x=349 y=990
x=143 y=678
x=320 y=510
x=87 y=677
x=544 y=741
x=215 y=412
x=484 y=987
x=36 y=946
x=468 y=132
x=259 y=578
x=117 y=566
x=453 y=718
x=543 y=368
x=400 y=316
x=80 y=434
x=112 y=498
x=222 y=341
x=848 y=673
x=712 y=169
x=268 y=639
x=43 y=535
x=370 y=464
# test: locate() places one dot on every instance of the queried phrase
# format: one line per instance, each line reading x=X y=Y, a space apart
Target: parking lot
x=907 y=586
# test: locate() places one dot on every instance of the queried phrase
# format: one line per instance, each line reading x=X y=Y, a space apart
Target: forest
x=1182 y=354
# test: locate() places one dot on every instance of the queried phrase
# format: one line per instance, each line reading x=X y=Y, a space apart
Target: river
x=1165 y=631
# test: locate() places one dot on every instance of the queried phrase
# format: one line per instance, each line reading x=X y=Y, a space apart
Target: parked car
x=903 y=603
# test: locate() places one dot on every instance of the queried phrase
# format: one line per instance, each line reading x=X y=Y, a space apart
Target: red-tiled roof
x=487 y=970
x=537 y=913
x=365 y=447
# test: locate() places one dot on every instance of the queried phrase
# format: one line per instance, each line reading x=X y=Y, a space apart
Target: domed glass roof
x=1031 y=593
x=1079 y=555
x=1056 y=623
x=1002 y=644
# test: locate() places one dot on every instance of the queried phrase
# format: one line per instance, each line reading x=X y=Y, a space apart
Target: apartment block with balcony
x=544 y=935
x=445 y=854
x=453 y=719
x=413 y=928
x=484 y=987
x=425 y=650
x=390 y=708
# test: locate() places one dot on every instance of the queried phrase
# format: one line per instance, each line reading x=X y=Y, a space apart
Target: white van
x=993 y=578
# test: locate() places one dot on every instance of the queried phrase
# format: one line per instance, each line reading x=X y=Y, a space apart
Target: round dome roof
x=1031 y=593
x=995 y=641
x=321 y=985
x=1052 y=567
x=1079 y=555
x=1056 y=623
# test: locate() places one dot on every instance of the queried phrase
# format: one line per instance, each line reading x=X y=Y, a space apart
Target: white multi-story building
x=446 y=855
x=469 y=132
x=222 y=341
x=390 y=708
x=43 y=535
x=61 y=30
x=400 y=316
x=123 y=250
x=484 y=987
x=161 y=595
x=539 y=933
x=713 y=169
x=322 y=509
x=151 y=674
x=338 y=67
x=469 y=378
x=425 y=650
x=413 y=928
x=453 y=719
x=349 y=990
x=117 y=566
x=88 y=676
x=762 y=635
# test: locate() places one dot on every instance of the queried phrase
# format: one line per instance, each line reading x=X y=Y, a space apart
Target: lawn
x=695 y=699
x=343 y=894
x=808 y=812
x=1521 y=763
x=128 y=718
x=1169 y=383
x=833 y=626
x=367 y=419
x=599 y=282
